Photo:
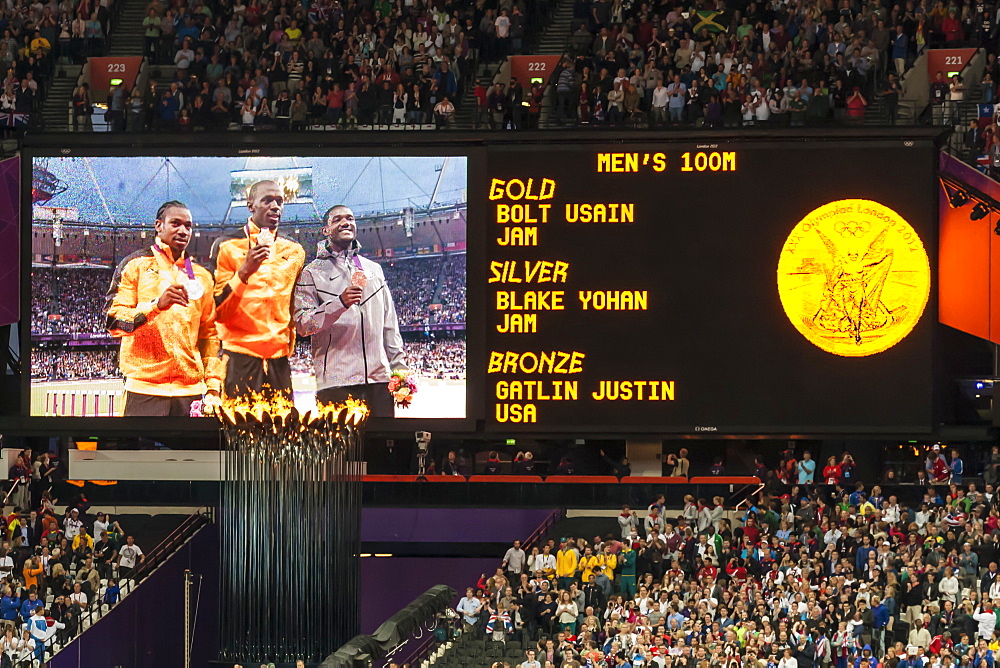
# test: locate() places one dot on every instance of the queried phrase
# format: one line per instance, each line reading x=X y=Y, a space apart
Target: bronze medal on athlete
x=359 y=280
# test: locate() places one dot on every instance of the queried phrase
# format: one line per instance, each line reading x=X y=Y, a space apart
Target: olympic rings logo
x=852 y=228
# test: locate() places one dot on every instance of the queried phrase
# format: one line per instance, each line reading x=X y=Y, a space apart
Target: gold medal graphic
x=853 y=277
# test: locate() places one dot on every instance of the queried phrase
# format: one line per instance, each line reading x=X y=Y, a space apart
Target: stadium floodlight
x=979 y=212
x=958 y=199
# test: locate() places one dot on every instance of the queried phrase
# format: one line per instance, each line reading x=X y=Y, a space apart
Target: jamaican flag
x=714 y=20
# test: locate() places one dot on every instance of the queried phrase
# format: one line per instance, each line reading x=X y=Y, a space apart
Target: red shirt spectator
x=939 y=470
x=752 y=532
x=736 y=571
x=856 y=104
x=831 y=472
x=335 y=99
x=951 y=27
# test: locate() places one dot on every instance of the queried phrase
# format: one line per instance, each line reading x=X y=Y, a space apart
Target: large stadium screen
x=721 y=287
x=158 y=283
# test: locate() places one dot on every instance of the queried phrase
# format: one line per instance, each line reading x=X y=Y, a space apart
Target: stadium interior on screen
x=91 y=212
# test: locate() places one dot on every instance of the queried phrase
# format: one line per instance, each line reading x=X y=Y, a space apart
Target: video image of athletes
x=161 y=286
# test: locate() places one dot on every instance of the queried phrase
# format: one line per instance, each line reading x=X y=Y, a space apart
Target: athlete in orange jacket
x=160 y=305
x=255 y=273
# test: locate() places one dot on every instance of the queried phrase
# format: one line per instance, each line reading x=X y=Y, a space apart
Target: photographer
x=628 y=521
x=677 y=99
x=678 y=466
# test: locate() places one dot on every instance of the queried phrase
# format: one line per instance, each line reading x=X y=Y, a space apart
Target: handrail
x=419 y=653
x=167 y=546
x=543 y=528
x=505 y=478
x=416 y=654
x=163 y=551
x=725 y=480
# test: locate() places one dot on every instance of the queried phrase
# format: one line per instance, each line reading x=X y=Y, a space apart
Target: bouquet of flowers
x=402 y=388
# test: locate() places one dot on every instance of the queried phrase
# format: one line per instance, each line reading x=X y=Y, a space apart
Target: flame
x=357 y=411
x=269 y=406
x=289 y=186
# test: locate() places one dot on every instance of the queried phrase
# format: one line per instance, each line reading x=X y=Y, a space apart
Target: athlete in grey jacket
x=342 y=302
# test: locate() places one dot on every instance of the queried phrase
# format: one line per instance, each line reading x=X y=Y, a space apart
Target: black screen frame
x=475 y=146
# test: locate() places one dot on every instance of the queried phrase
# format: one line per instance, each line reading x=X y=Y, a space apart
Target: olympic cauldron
x=289 y=528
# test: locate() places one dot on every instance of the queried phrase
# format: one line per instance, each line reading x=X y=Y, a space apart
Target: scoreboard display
x=648 y=284
x=711 y=288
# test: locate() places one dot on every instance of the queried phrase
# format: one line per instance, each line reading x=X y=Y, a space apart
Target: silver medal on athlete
x=195 y=289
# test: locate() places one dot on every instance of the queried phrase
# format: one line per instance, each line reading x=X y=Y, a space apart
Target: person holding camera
x=677 y=99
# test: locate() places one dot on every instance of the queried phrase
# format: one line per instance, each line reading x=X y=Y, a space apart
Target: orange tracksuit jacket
x=255 y=318
x=172 y=353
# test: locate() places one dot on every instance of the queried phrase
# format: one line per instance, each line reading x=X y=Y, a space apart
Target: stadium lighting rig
x=961 y=194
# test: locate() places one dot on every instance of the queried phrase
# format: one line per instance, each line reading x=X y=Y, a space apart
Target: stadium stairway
x=55 y=111
x=129 y=36
x=555 y=39
x=465 y=111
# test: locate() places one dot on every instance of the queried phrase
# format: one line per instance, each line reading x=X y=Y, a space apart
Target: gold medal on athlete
x=265 y=238
x=853 y=277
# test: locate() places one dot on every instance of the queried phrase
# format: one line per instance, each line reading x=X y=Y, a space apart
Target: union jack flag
x=504 y=618
x=13 y=120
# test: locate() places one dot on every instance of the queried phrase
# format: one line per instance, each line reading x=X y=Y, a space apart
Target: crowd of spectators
x=71 y=301
x=34 y=36
x=55 y=567
x=61 y=364
x=443 y=359
x=982 y=137
x=259 y=65
x=266 y=65
x=812 y=574
x=451 y=291
x=413 y=284
x=68 y=301
x=778 y=64
x=419 y=283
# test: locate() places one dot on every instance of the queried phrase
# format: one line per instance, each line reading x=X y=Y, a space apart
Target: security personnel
x=255 y=273
x=160 y=306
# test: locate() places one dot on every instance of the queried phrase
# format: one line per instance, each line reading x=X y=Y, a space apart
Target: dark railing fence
x=416 y=622
x=421 y=650
x=154 y=559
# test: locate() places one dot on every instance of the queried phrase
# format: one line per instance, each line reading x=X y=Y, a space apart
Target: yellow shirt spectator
x=294 y=34
x=586 y=567
x=84 y=539
x=566 y=561
x=610 y=564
